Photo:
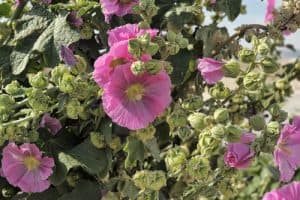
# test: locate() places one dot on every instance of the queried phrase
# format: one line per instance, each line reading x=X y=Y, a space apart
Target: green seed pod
x=153 y=66
x=252 y=81
x=175 y=159
x=196 y=120
x=231 y=69
x=73 y=108
x=38 y=100
x=247 y=55
x=198 y=168
x=257 y=122
x=14 y=88
x=97 y=140
x=273 y=127
x=153 y=180
x=221 y=115
x=218 y=131
x=269 y=65
x=38 y=80
x=192 y=103
x=233 y=133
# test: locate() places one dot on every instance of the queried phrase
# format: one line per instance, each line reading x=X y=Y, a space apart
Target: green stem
x=12 y=123
x=20 y=104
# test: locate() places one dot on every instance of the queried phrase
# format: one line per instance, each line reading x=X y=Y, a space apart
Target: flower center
x=135 y=92
x=31 y=163
x=118 y=61
x=125 y=1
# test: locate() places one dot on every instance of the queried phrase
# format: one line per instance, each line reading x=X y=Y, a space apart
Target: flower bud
x=233 y=133
x=192 y=103
x=138 y=67
x=151 y=48
x=115 y=144
x=263 y=48
x=196 y=120
x=282 y=84
x=97 y=139
x=221 y=115
x=207 y=144
x=273 y=127
x=269 y=65
x=198 y=168
x=252 y=81
x=38 y=100
x=247 y=55
x=218 y=131
x=134 y=48
x=175 y=159
x=209 y=120
x=73 y=108
x=13 y=88
x=219 y=91
x=176 y=119
x=38 y=80
x=153 y=66
x=57 y=73
x=67 y=84
x=146 y=133
x=231 y=69
x=80 y=66
x=257 y=122
x=153 y=180
x=184 y=133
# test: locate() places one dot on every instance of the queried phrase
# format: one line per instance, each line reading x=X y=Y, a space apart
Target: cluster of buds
x=152 y=180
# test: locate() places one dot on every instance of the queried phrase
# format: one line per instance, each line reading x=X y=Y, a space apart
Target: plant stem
x=11 y=123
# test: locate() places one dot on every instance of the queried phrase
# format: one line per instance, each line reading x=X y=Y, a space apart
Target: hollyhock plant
x=286 y=152
x=24 y=167
x=239 y=154
x=288 y=192
x=127 y=32
x=211 y=70
x=51 y=123
x=66 y=54
x=135 y=101
x=269 y=17
x=116 y=7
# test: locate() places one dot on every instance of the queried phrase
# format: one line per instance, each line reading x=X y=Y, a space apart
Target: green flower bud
x=192 y=103
x=218 y=131
x=257 y=122
x=273 y=127
x=138 y=67
x=13 y=88
x=233 y=133
x=97 y=139
x=57 y=73
x=175 y=159
x=152 y=48
x=153 y=180
x=219 y=91
x=238 y=98
x=263 y=48
x=207 y=144
x=38 y=100
x=247 y=55
x=115 y=144
x=209 y=120
x=252 y=81
x=198 y=168
x=38 y=80
x=196 y=120
x=168 y=67
x=231 y=69
x=221 y=115
x=183 y=43
x=153 y=66
x=145 y=39
x=73 y=108
x=176 y=119
x=282 y=84
x=184 y=133
x=81 y=65
x=282 y=116
x=269 y=65
x=134 y=48
x=86 y=32
x=68 y=84
x=275 y=110
x=173 y=48
x=145 y=133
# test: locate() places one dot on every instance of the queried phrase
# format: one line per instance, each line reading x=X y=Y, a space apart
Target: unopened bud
x=198 y=168
x=153 y=66
x=218 y=131
x=13 y=88
x=97 y=140
x=175 y=159
x=257 y=122
x=269 y=65
x=196 y=120
x=282 y=84
x=192 y=103
x=74 y=108
x=273 y=127
x=153 y=180
x=247 y=55
x=233 y=133
x=221 y=115
x=138 y=67
x=231 y=69
x=219 y=91
x=263 y=48
x=38 y=80
x=252 y=81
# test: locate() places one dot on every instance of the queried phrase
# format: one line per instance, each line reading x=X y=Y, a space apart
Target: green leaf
x=84 y=190
x=4 y=9
x=128 y=189
x=232 y=8
x=49 y=194
x=106 y=129
x=180 y=62
x=153 y=147
x=135 y=152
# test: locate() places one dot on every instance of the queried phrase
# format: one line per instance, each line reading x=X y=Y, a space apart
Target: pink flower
x=24 y=167
x=270 y=9
x=116 y=7
x=239 y=155
x=67 y=55
x=127 y=32
x=135 y=101
x=106 y=64
x=286 y=152
x=52 y=124
x=211 y=70
x=288 y=192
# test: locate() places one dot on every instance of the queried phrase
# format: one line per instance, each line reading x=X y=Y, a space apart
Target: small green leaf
x=232 y=8
x=135 y=152
x=153 y=147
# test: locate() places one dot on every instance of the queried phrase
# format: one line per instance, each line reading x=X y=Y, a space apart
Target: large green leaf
x=232 y=8
x=84 y=190
x=153 y=148
x=135 y=152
